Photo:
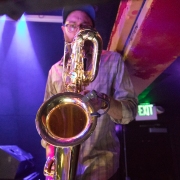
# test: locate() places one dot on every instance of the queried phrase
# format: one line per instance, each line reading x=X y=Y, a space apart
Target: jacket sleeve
x=124 y=92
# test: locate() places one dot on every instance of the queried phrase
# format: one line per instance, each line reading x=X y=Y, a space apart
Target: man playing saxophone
x=99 y=154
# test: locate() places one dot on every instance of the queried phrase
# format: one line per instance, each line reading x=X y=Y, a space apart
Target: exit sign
x=146 y=112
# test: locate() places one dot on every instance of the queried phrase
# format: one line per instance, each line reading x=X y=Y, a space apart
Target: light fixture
x=148 y=111
x=38 y=18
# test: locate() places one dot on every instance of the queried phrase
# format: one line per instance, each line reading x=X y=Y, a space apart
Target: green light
x=145 y=110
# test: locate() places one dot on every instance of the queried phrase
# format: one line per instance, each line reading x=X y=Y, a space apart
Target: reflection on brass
x=66 y=121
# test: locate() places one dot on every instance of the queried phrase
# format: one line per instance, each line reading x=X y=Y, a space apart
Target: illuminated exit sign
x=146 y=112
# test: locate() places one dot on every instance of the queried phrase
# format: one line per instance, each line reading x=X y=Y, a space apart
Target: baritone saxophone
x=65 y=121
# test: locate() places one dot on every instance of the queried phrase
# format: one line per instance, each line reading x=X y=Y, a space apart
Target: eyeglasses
x=74 y=27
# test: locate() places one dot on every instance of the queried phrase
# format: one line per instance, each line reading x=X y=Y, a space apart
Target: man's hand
x=96 y=99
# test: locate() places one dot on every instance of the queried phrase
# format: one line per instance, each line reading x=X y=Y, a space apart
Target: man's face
x=76 y=19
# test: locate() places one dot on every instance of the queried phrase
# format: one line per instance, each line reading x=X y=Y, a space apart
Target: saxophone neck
x=75 y=75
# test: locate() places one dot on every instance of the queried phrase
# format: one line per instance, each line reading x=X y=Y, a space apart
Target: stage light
x=35 y=18
x=2 y=21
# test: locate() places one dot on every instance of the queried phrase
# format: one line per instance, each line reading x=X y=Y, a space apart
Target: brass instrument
x=65 y=121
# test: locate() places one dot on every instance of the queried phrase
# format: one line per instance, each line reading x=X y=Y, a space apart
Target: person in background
x=99 y=154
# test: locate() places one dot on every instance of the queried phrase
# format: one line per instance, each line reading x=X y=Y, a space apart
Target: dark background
x=25 y=60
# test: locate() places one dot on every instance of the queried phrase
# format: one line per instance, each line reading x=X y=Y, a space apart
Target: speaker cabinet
x=14 y=162
x=148 y=151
